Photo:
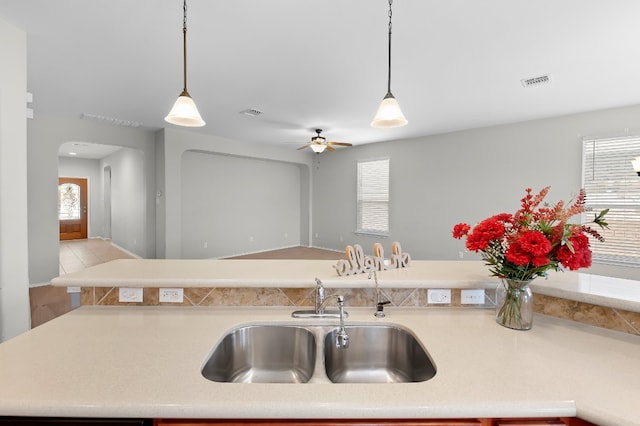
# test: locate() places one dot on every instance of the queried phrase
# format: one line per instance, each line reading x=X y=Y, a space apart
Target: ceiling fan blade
x=304 y=146
x=330 y=149
x=339 y=143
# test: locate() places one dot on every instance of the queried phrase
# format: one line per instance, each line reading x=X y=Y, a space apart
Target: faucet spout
x=320 y=297
x=342 y=338
x=379 y=313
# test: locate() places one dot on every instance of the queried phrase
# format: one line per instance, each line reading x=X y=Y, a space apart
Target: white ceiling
x=91 y=151
x=457 y=64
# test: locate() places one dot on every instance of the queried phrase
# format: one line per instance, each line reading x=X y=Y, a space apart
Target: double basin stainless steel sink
x=268 y=353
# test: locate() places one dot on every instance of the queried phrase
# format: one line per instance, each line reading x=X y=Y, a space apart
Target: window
x=69 y=201
x=611 y=183
x=373 y=197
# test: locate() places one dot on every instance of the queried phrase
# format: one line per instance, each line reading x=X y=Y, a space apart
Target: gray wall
x=14 y=290
x=440 y=180
x=174 y=144
x=45 y=135
x=238 y=205
x=130 y=199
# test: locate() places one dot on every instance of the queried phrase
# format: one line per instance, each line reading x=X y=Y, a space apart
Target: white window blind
x=373 y=197
x=611 y=183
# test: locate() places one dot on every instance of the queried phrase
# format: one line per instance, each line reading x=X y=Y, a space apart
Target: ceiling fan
x=319 y=143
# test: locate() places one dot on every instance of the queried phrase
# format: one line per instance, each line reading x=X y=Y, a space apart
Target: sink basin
x=263 y=354
x=377 y=354
x=288 y=353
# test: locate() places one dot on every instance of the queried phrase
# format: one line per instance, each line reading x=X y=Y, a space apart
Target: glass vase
x=514 y=304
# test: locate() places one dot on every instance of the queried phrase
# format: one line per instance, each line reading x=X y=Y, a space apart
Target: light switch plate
x=130 y=294
x=472 y=296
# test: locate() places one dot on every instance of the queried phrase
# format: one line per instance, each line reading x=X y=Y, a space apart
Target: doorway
x=72 y=208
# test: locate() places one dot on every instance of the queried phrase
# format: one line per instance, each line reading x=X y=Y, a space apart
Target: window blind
x=373 y=197
x=611 y=183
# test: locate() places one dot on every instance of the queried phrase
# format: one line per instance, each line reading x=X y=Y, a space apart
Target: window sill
x=594 y=289
x=372 y=234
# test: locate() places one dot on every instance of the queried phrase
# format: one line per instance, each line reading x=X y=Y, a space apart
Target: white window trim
x=623 y=199
x=373 y=232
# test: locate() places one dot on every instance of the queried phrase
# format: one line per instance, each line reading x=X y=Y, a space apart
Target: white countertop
x=145 y=362
x=605 y=291
x=595 y=289
x=269 y=273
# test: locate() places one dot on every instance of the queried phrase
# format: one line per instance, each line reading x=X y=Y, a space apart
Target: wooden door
x=72 y=208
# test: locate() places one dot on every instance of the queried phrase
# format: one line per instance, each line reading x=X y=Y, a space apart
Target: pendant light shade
x=184 y=111
x=389 y=113
x=318 y=148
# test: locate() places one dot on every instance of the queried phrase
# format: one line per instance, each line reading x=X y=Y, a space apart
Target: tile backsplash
x=610 y=318
x=272 y=296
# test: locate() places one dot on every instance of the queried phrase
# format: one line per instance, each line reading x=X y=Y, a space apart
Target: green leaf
x=599 y=219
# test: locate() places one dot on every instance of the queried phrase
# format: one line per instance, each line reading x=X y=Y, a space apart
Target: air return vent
x=536 y=81
x=110 y=120
x=251 y=112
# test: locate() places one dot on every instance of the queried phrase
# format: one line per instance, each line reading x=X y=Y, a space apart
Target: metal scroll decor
x=357 y=263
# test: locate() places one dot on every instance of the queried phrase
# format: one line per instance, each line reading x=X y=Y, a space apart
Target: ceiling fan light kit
x=389 y=113
x=184 y=111
x=319 y=143
x=318 y=147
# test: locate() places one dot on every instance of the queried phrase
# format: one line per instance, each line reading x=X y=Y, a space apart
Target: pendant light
x=389 y=113
x=184 y=111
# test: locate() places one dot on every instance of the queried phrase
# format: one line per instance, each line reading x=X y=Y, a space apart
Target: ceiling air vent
x=110 y=120
x=251 y=112
x=536 y=81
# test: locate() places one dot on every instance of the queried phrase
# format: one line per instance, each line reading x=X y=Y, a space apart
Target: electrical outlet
x=472 y=296
x=439 y=295
x=171 y=295
x=133 y=295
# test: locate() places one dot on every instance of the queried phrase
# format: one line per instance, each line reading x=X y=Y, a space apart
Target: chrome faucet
x=379 y=313
x=320 y=297
x=321 y=300
x=342 y=338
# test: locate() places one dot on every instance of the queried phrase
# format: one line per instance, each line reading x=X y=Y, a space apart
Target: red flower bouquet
x=536 y=238
x=522 y=246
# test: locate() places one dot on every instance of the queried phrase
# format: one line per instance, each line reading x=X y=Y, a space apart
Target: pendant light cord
x=389 y=66
x=184 y=45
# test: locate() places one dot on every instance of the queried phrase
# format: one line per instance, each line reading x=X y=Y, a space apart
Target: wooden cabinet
x=328 y=422
x=70 y=421
x=565 y=421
